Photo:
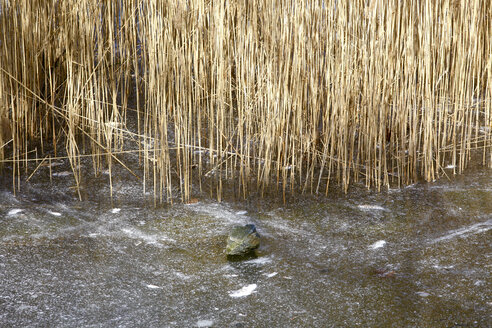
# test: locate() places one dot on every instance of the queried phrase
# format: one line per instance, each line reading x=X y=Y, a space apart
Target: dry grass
x=294 y=94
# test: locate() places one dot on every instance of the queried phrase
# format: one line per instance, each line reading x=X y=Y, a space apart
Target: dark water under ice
x=415 y=257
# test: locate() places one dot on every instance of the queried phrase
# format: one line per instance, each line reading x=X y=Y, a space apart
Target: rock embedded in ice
x=378 y=244
x=242 y=240
x=245 y=291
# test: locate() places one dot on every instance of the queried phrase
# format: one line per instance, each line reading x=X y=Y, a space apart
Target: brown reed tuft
x=292 y=95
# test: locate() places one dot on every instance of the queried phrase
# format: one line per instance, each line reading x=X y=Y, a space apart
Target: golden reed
x=294 y=94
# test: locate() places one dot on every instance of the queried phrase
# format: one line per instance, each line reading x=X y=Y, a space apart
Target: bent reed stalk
x=294 y=94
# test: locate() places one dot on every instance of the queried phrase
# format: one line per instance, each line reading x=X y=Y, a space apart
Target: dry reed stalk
x=297 y=94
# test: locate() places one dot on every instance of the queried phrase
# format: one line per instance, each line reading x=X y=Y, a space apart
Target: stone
x=242 y=240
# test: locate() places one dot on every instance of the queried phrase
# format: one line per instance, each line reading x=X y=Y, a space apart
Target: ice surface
x=164 y=266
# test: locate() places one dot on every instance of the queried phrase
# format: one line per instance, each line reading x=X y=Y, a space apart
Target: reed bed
x=286 y=94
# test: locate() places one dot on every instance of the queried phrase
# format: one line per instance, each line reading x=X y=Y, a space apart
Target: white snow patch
x=270 y=275
x=450 y=166
x=204 y=323
x=378 y=244
x=153 y=287
x=366 y=207
x=423 y=294
x=15 y=211
x=54 y=213
x=115 y=210
x=245 y=291
x=241 y=212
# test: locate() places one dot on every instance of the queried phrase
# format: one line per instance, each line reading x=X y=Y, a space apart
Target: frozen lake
x=419 y=257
